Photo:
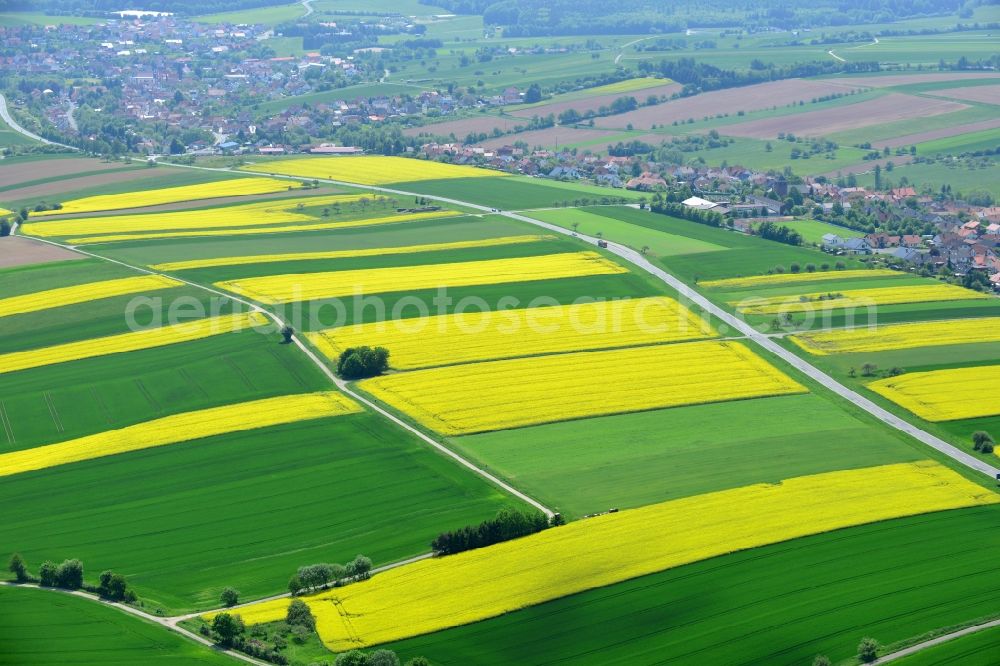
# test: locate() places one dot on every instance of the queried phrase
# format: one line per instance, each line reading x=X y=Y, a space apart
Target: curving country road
x=5 y=115
x=913 y=649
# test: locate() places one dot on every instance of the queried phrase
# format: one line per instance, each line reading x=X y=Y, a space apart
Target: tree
x=112 y=586
x=360 y=362
x=18 y=568
x=299 y=614
x=979 y=438
x=4 y=228
x=70 y=575
x=227 y=627
x=821 y=660
x=352 y=658
x=229 y=596
x=418 y=661
x=868 y=369
x=286 y=333
x=383 y=658
x=47 y=574
x=360 y=568
x=294 y=585
x=868 y=650
x=533 y=94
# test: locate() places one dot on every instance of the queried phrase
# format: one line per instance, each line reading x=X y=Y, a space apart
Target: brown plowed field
x=461 y=128
x=59 y=189
x=731 y=101
x=551 y=137
x=985 y=94
x=903 y=79
x=886 y=109
x=20 y=251
x=929 y=135
x=22 y=172
x=597 y=101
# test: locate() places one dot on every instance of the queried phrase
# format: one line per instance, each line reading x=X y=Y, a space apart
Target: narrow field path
x=913 y=649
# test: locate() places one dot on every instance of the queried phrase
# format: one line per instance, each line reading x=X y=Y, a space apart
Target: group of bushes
x=361 y=362
x=69 y=576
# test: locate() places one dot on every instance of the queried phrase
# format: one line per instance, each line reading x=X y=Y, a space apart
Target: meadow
x=487 y=582
x=673 y=453
x=781 y=604
x=45 y=627
x=516 y=193
x=594 y=221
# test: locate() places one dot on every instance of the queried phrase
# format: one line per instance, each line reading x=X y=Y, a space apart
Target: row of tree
x=312 y=577
x=69 y=576
x=707 y=217
x=779 y=233
x=509 y=523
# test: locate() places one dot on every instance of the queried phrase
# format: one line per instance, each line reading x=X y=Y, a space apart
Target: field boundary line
x=52 y=412
x=8 y=428
x=913 y=649
x=686 y=291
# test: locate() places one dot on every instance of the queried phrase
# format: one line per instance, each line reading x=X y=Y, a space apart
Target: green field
x=595 y=220
x=780 y=604
x=978 y=649
x=444 y=230
x=629 y=460
x=271 y=15
x=15 y=19
x=961 y=178
x=813 y=230
x=43 y=628
x=60 y=402
x=514 y=193
x=186 y=520
x=744 y=255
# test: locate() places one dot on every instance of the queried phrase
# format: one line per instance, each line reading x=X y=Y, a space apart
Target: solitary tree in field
x=18 y=568
x=645 y=249
x=868 y=650
x=821 y=660
x=229 y=597
x=868 y=369
x=979 y=438
x=287 y=332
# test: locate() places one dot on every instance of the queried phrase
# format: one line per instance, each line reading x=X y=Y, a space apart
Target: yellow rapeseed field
x=181 y=428
x=495 y=395
x=126 y=342
x=273 y=229
x=901 y=336
x=243 y=215
x=370 y=170
x=81 y=293
x=480 y=336
x=945 y=395
x=858 y=298
x=795 y=278
x=438 y=593
x=223 y=188
x=346 y=254
x=293 y=287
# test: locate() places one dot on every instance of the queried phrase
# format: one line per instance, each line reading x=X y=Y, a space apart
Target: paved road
x=913 y=649
x=5 y=115
x=759 y=338
x=309 y=9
